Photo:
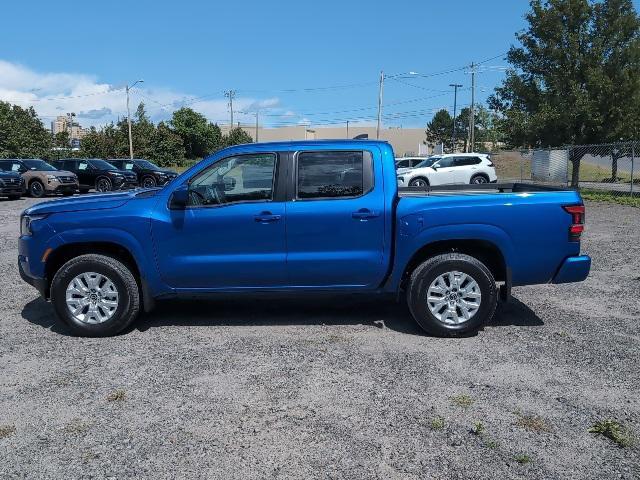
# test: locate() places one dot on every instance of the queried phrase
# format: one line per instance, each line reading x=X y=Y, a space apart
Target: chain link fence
x=612 y=168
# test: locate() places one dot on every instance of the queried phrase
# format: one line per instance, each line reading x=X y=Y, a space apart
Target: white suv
x=451 y=168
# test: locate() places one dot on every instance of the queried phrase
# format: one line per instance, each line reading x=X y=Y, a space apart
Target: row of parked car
x=67 y=176
x=445 y=169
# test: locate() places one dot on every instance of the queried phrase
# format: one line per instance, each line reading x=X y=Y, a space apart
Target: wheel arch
x=68 y=251
x=485 y=251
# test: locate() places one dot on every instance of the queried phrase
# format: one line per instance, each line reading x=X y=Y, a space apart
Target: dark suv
x=11 y=185
x=98 y=174
x=149 y=174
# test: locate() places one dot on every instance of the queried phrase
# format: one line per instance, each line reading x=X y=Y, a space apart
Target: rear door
x=466 y=167
x=83 y=170
x=335 y=219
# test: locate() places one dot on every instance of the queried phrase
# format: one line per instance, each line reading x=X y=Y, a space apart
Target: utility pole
x=257 y=113
x=347 y=128
x=230 y=94
x=129 y=117
x=380 y=91
x=455 y=104
x=472 y=114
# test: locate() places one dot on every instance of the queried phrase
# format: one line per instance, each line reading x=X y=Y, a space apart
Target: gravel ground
x=346 y=388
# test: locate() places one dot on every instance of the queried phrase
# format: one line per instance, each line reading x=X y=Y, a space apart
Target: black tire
x=479 y=179
x=427 y=272
x=103 y=184
x=125 y=283
x=148 y=182
x=14 y=197
x=36 y=189
x=415 y=182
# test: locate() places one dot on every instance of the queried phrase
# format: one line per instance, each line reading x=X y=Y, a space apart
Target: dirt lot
x=329 y=388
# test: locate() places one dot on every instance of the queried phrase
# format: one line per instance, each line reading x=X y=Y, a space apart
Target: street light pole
x=230 y=94
x=380 y=91
x=257 y=113
x=472 y=115
x=455 y=104
x=129 y=117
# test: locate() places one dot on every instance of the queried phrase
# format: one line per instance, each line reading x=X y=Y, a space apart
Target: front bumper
x=573 y=269
x=11 y=190
x=38 y=283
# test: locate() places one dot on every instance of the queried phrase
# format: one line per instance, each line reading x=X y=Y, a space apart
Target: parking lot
x=329 y=388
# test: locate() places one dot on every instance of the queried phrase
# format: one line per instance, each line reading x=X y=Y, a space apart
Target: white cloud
x=97 y=103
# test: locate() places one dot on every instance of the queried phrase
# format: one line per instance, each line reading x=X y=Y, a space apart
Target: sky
x=296 y=62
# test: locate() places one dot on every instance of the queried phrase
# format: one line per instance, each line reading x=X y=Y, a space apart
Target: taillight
x=577 y=221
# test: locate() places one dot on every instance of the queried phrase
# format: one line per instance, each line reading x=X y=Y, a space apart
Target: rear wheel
x=103 y=185
x=477 y=179
x=36 y=189
x=452 y=294
x=95 y=295
x=419 y=182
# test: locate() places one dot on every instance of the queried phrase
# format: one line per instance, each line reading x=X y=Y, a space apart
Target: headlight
x=26 y=221
x=52 y=178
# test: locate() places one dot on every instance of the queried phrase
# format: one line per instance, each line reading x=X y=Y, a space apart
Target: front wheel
x=149 y=182
x=452 y=294
x=103 y=185
x=419 y=182
x=36 y=189
x=95 y=295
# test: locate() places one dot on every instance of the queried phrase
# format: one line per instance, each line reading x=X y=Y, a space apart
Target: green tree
x=199 y=136
x=440 y=128
x=236 y=136
x=61 y=139
x=575 y=76
x=166 y=147
x=22 y=134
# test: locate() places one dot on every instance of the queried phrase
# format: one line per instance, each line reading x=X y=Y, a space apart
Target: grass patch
x=462 y=400
x=117 y=396
x=437 y=423
x=614 y=431
x=619 y=197
x=477 y=429
x=492 y=444
x=7 y=430
x=532 y=423
x=522 y=458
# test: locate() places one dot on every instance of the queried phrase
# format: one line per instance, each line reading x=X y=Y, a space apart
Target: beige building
x=64 y=123
x=405 y=141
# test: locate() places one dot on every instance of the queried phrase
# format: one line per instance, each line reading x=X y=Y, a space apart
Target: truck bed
x=480 y=189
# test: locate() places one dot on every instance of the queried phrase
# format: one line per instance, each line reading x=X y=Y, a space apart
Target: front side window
x=445 y=162
x=332 y=174
x=242 y=178
x=403 y=164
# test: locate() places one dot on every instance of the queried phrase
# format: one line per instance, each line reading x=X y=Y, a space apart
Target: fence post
x=633 y=155
x=521 y=166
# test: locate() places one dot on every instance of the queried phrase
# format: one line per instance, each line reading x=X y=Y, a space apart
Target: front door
x=335 y=220
x=85 y=175
x=232 y=233
x=445 y=172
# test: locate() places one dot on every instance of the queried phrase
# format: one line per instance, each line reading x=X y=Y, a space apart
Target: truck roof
x=303 y=143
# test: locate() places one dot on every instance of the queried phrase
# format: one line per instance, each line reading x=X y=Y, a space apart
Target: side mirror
x=179 y=198
x=435 y=166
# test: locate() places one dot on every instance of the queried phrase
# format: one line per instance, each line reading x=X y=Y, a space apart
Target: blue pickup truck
x=300 y=216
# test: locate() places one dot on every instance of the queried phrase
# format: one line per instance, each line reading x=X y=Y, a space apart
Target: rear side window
x=333 y=174
x=464 y=161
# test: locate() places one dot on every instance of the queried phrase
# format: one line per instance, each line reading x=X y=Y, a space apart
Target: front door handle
x=267 y=217
x=364 y=214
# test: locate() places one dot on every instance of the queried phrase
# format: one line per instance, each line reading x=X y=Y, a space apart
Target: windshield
x=38 y=165
x=147 y=164
x=102 y=165
x=428 y=162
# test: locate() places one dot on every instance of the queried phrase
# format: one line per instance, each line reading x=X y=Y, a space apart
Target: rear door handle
x=364 y=214
x=267 y=217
